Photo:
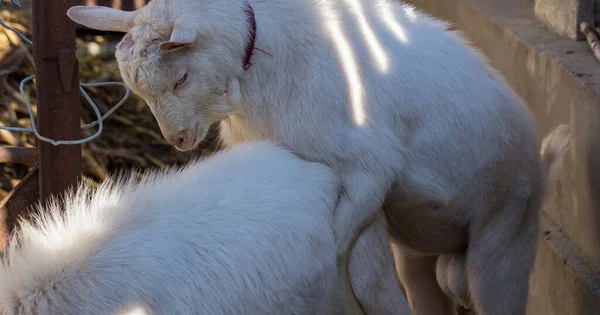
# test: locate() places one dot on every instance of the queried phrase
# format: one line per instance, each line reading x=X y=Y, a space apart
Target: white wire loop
x=100 y=118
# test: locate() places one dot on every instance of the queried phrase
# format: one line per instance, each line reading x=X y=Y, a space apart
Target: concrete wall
x=564 y=16
x=560 y=80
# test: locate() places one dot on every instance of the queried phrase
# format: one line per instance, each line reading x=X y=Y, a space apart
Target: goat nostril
x=176 y=139
x=180 y=138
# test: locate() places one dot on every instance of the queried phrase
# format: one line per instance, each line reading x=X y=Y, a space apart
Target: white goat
x=389 y=98
x=248 y=231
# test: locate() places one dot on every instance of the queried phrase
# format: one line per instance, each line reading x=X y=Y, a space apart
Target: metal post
x=57 y=94
x=17 y=204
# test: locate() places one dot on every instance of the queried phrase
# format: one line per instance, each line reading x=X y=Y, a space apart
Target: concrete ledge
x=559 y=79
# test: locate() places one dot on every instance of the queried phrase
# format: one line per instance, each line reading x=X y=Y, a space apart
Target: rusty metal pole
x=57 y=82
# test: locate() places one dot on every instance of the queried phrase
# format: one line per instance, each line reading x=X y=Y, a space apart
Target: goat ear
x=182 y=36
x=103 y=18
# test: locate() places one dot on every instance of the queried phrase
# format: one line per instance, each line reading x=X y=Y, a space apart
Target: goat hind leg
x=500 y=259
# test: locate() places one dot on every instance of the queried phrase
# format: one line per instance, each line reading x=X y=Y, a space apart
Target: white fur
x=247 y=231
x=395 y=103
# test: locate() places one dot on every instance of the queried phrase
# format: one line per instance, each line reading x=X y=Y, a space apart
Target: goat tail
x=554 y=147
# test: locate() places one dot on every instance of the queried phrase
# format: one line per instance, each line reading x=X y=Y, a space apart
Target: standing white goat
x=247 y=231
x=389 y=98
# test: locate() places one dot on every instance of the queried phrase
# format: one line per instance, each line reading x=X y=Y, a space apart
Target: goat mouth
x=195 y=140
x=186 y=148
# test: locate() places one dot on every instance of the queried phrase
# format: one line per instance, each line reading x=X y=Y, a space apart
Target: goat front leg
x=357 y=207
x=373 y=274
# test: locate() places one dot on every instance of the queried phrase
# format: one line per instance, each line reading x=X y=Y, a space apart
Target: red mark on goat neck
x=250 y=47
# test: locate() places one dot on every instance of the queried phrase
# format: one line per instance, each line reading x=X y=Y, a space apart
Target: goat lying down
x=247 y=231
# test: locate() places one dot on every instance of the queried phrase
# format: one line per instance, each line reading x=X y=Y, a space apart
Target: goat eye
x=181 y=80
